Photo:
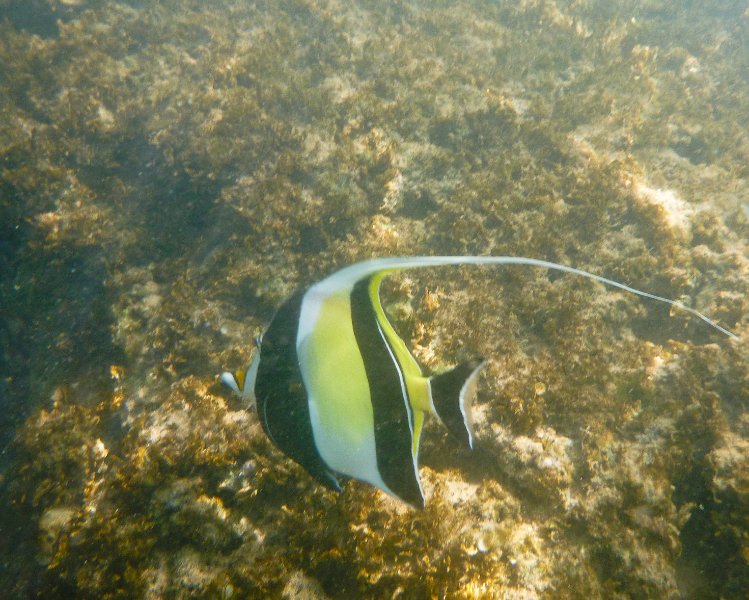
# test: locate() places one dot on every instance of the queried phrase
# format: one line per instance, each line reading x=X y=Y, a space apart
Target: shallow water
x=170 y=173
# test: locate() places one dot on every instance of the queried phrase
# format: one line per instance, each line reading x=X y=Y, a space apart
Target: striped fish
x=337 y=390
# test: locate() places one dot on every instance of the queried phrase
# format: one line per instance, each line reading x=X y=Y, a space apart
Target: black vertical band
x=281 y=397
x=392 y=421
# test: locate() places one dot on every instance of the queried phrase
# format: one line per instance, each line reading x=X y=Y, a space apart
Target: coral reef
x=170 y=172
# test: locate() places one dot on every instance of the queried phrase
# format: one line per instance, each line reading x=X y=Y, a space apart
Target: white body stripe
x=250 y=377
x=357 y=460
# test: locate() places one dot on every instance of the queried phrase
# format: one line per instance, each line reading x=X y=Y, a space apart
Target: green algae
x=170 y=173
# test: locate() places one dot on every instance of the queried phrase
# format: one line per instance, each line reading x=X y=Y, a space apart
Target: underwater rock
x=55 y=522
x=301 y=587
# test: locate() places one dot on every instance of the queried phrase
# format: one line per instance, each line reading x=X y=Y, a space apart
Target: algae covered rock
x=170 y=172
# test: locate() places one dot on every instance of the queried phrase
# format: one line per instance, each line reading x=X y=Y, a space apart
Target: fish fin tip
x=413 y=500
x=331 y=482
x=453 y=393
x=420 y=504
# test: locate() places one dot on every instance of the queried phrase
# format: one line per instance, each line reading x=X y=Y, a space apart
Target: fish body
x=338 y=391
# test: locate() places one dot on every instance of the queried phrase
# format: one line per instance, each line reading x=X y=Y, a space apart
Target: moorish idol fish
x=337 y=390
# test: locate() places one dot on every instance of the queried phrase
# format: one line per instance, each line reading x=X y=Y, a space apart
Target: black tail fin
x=452 y=394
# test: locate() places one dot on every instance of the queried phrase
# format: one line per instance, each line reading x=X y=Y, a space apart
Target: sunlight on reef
x=675 y=210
